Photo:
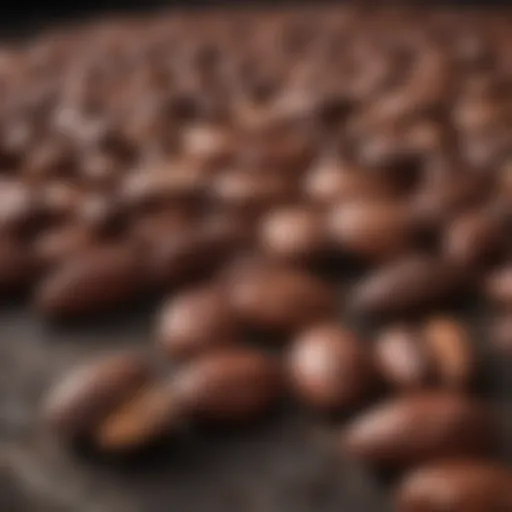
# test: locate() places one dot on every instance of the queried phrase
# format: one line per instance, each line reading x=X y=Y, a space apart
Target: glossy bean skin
x=415 y=428
x=229 y=386
x=79 y=402
x=469 y=485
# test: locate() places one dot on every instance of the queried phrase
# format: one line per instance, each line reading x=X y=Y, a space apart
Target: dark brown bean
x=458 y=485
x=102 y=214
x=93 y=282
x=18 y=267
x=408 y=285
x=373 y=230
x=501 y=333
x=402 y=357
x=61 y=243
x=197 y=321
x=440 y=199
x=82 y=399
x=229 y=385
x=281 y=299
x=419 y=427
x=148 y=231
x=294 y=233
x=189 y=255
x=150 y=414
x=99 y=170
x=330 y=368
x=498 y=287
x=474 y=239
x=59 y=199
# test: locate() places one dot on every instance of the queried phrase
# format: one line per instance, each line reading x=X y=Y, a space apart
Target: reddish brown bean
x=151 y=414
x=281 y=299
x=294 y=233
x=501 y=333
x=402 y=357
x=453 y=355
x=498 y=287
x=474 y=239
x=330 y=368
x=82 y=399
x=18 y=267
x=93 y=282
x=229 y=386
x=195 y=322
x=373 y=230
x=406 y=286
x=456 y=485
x=416 y=428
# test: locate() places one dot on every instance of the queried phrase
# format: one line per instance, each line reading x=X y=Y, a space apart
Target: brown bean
x=229 y=385
x=57 y=245
x=436 y=353
x=419 y=427
x=18 y=208
x=196 y=321
x=18 y=267
x=212 y=145
x=150 y=414
x=330 y=368
x=294 y=233
x=445 y=195
x=147 y=231
x=331 y=182
x=281 y=299
x=59 y=199
x=474 y=239
x=93 y=282
x=402 y=357
x=408 y=285
x=87 y=394
x=457 y=485
x=251 y=192
x=102 y=214
x=148 y=188
x=373 y=230
x=501 y=333
x=498 y=287
x=99 y=170
x=189 y=255
x=450 y=345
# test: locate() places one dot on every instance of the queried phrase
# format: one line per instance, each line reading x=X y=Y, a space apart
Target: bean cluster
x=242 y=165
